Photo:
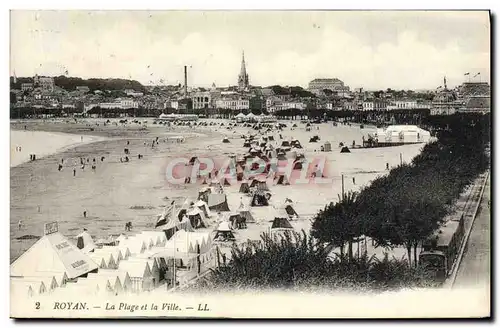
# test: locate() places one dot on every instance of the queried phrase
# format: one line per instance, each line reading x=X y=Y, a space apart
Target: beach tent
x=260 y=184
x=290 y=210
x=99 y=260
x=53 y=252
x=158 y=237
x=285 y=143
x=85 y=242
x=153 y=266
x=109 y=259
x=21 y=290
x=281 y=223
x=140 y=275
x=30 y=288
x=247 y=215
x=281 y=179
x=244 y=187
x=218 y=202
x=50 y=283
x=223 y=232
x=114 y=250
x=345 y=149
x=175 y=225
x=135 y=245
x=236 y=220
x=259 y=198
x=203 y=194
x=125 y=251
x=113 y=281
x=196 y=218
x=100 y=285
x=327 y=147
x=203 y=206
x=60 y=277
x=121 y=275
x=188 y=242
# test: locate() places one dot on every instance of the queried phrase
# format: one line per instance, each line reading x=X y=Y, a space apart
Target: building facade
x=233 y=104
x=317 y=86
x=202 y=100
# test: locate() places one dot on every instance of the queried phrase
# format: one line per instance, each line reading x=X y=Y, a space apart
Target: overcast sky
x=373 y=50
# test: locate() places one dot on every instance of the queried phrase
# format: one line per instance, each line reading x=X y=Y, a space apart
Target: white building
x=368 y=105
x=202 y=99
x=232 y=104
x=133 y=93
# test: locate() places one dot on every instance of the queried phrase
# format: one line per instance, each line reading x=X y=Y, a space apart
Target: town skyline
x=285 y=48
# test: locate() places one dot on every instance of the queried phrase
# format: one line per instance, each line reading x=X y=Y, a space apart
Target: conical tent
x=281 y=179
x=259 y=199
x=84 y=242
x=218 y=202
x=244 y=187
x=281 y=223
x=290 y=210
x=197 y=218
x=245 y=213
x=223 y=232
x=54 y=252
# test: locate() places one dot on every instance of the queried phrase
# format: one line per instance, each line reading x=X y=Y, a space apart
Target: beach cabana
x=121 y=275
x=203 y=206
x=290 y=210
x=281 y=179
x=113 y=280
x=60 y=277
x=159 y=238
x=260 y=184
x=218 y=203
x=30 y=288
x=281 y=224
x=53 y=252
x=259 y=198
x=153 y=266
x=247 y=215
x=140 y=275
x=50 y=283
x=196 y=218
x=244 y=188
x=109 y=260
x=224 y=232
x=84 y=242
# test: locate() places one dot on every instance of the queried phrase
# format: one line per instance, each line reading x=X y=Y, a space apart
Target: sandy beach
x=137 y=191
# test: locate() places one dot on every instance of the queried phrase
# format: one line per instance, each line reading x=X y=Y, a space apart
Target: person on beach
x=60 y=167
x=386 y=166
x=20 y=224
x=93 y=160
x=83 y=166
x=62 y=160
x=353 y=180
x=102 y=159
x=74 y=172
x=84 y=214
x=128 y=142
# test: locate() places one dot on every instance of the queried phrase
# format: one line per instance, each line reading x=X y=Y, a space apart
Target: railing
x=471 y=200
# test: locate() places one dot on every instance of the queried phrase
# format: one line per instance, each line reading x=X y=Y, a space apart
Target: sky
x=369 y=49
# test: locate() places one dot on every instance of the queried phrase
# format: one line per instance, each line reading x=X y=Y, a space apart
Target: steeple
x=243 y=77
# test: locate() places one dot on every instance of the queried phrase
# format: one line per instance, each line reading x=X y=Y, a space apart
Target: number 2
x=37 y=305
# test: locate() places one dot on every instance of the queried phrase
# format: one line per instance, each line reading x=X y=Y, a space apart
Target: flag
x=466 y=74
x=477 y=74
x=163 y=218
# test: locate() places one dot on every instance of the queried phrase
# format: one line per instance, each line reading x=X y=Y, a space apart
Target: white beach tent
x=99 y=260
x=60 y=277
x=147 y=239
x=21 y=290
x=159 y=237
x=101 y=285
x=113 y=280
x=49 y=282
x=109 y=259
x=37 y=287
x=140 y=275
x=84 y=242
x=153 y=266
x=114 y=250
x=123 y=276
x=53 y=252
x=135 y=245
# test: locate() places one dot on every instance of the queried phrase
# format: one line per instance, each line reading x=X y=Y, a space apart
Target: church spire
x=243 y=77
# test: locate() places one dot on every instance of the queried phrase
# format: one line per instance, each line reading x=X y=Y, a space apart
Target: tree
x=337 y=224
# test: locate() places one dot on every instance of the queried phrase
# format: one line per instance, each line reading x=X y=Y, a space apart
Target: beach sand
x=116 y=192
